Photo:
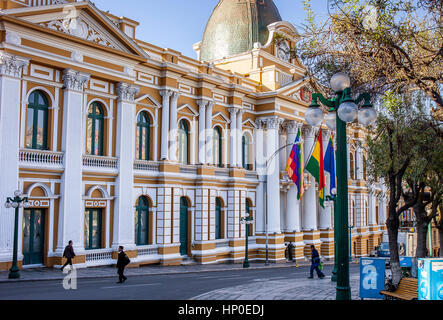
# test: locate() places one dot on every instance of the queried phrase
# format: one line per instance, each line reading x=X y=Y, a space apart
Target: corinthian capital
x=75 y=80
x=273 y=123
x=11 y=65
x=292 y=126
x=127 y=92
x=166 y=93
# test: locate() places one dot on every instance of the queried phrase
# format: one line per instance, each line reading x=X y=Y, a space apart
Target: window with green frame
x=37 y=121
x=217 y=147
x=183 y=142
x=95 y=130
x=218 y=219
x=143 y=136
x=142 y=222
x=93 y=229
x=250 y=215
x=246 y=154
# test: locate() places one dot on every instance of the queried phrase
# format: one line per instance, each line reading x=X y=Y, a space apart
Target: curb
x=154 y=274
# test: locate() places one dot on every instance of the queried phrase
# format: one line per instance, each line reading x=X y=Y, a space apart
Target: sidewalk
x=47 y=274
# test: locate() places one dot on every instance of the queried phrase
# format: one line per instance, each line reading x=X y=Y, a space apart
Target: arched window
x=217 y=147
x=143 y=136
x=142 y=222
x=95 y=129
x=246 y=155
x=352 y=166
x=183 y=142
x=37 y=121
x=218 y=219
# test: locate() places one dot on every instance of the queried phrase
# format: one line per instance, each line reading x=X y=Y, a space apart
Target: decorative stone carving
x=292 y=126
x=11 y=65
x=127 y=92
x=79 y=28
x=75 y=80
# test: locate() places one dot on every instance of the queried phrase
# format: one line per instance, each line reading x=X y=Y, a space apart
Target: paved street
x=215 y=282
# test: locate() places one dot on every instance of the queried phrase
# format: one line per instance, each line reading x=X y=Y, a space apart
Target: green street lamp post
x=334 y=271
x=342 y=109
x=247 y=221
x=19 y=201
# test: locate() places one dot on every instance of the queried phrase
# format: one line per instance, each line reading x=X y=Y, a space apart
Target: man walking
x=122 y=262
x=68 y=254
x=290 y=251
x=315 y=262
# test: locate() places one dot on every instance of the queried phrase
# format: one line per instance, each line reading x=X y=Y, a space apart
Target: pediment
x=86 y=22
x=220 y=117
x=248 y=123
x=186 y=109
x=148 y=100
x=299 y=90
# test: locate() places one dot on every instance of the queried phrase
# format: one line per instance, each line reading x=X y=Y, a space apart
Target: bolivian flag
x=295 y=166
x=316 y=167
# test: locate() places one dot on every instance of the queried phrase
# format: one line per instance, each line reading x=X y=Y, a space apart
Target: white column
x=173 y=128
x=209 y=132
x=273 y=177
x=123 y=231
x=11 y=69
x=166 y=94
x=239 y=137
x=310 y=195
x=261 y=171
x=292 y=203
x=201 y=131
x=71 y=213
x=233 y=140
x=326 y=213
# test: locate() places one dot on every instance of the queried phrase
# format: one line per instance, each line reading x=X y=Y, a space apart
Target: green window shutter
x=95 y=130
x=37 y=121
x=143 y=136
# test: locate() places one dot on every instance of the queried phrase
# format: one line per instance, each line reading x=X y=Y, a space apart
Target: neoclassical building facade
x=116 y=141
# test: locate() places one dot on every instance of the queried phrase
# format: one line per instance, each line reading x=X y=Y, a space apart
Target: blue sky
x=178 y=24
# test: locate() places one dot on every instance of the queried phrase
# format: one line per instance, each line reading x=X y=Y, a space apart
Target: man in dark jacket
x=315 y=262
x=290 y=251
x=68 y=254
x=122 y=262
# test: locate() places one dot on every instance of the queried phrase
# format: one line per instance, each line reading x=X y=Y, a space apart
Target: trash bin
x=430 y=279
x=372 y=277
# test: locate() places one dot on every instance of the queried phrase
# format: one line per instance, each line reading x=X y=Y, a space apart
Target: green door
x=183 y=226
x=93 y=229
x=33 y=236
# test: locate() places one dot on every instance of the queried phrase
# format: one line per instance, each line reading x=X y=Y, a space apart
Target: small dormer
x=126 y=25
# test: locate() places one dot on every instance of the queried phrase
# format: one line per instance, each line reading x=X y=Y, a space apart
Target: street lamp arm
x=364 y=97
x=323 y=100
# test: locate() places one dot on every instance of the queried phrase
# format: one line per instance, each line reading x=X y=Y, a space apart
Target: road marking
x=132 y=285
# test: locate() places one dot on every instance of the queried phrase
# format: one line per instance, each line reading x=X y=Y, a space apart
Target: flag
x=295 y=166
x=330 y=164
x=315 y=167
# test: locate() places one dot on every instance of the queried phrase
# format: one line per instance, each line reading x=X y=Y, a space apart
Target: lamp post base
x=14 y=273
x=334 y=276
x=246 y=264
x=343 y=293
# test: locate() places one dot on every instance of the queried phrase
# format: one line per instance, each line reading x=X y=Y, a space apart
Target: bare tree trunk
x=422 y=232
x=393 y=225
x=440 y=234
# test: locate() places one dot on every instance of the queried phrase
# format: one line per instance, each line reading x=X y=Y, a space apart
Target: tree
x=424 y=178
x=384 y=45
x=438 y=221
x=392 y=149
